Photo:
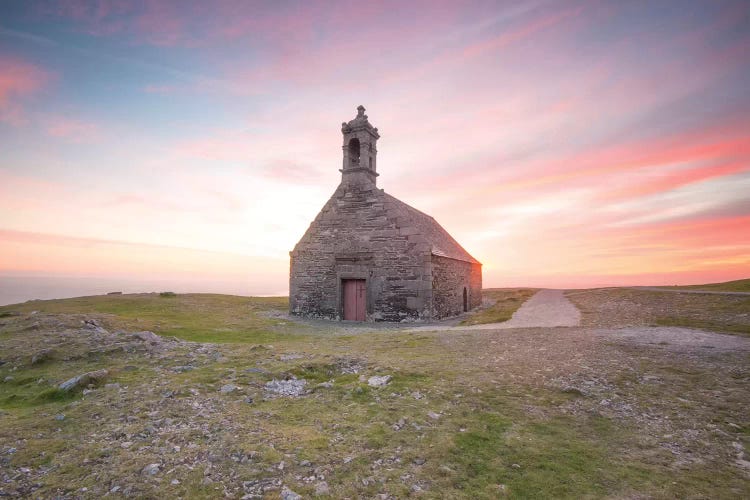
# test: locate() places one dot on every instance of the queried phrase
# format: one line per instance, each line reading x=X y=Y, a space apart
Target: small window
x=354 y=150
x=370 y=163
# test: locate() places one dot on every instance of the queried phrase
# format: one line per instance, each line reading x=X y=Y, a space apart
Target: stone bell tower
x=360 y=152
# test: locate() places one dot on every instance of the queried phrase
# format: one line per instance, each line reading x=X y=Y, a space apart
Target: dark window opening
x=354 y=150
x=370 y=163
x=466 y=300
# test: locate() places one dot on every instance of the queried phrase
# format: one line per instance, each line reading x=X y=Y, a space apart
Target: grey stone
x=151 y=469
x=287 y=494
x=379 y=380
x=288 y=388
x=60 y=417
x=92 y=324
x=228 y=388
x=83 y=380
x=290 y=357
x=322 y=488
x=41 y=356
x=147 y=336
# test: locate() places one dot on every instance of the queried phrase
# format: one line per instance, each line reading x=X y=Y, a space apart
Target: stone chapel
x=368 y=256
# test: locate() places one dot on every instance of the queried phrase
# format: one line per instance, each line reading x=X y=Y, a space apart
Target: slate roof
x=443 y=244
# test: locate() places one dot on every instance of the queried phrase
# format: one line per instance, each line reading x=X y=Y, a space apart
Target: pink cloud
x=72 y=130
x=18 y=80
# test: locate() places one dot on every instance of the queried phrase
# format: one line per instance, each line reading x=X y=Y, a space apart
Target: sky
x=562 y=143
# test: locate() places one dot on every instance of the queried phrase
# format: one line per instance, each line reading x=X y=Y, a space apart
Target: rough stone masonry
x=370 y=257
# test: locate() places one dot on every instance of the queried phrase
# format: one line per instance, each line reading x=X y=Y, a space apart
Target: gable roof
x=443 y=244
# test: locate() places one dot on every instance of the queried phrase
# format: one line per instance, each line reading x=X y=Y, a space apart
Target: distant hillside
x=729 y=286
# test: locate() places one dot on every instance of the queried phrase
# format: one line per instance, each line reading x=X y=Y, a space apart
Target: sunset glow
x=563 y=144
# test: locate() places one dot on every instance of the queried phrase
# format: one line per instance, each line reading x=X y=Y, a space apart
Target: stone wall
x=359 y=234
x=449 y=278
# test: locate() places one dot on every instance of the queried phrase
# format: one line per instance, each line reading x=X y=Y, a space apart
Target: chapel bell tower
x=360 y=152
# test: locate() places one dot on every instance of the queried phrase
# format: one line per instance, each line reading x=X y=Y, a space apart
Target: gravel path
x=546 y=309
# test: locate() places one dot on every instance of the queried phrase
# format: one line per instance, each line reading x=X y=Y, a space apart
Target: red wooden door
x=354 y=300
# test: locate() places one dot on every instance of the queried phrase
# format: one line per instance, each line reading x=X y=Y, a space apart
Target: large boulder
x=83 y=380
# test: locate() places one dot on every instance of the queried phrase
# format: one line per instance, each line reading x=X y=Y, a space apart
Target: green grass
x=728 y=286
x=195 y=317
x=506 y=302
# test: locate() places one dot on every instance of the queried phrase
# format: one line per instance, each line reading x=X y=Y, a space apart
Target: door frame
x=364 y=275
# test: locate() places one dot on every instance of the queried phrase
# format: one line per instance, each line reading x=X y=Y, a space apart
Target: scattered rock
x=151 y=469
x=83 y=380
x=41 y=356
x=287 y=494
x=60 y=417
x=92 y=324
x=419 y=461
x=228 y=388
x=433 y=415
x=322 y=489
x=417 y=395
x=515 y=466
x=182 y=368
x=379 y=380
x=325 y=385
x=290 y=357
x=9 y=378
x=349 y=366
x=249 y=400
x=147 y=336
x=289 y=388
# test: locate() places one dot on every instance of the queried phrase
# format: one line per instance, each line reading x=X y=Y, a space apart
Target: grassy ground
x=529 y=413
x=637 y=307
x=194 y=317
x=728 y=286
x=505 y=301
